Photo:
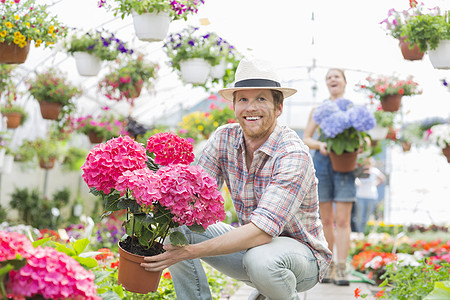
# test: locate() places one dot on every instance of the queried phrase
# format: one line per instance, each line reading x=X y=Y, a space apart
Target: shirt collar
x=267 y=147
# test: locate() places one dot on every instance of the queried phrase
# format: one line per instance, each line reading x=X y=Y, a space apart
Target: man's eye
x=261 y=99
x=243 y=99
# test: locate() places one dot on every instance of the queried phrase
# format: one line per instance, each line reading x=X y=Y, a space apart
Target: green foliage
x=413 y=282
x=104 y=45
x=349 y=140
x=441 y=291
x=427 y=31
x=53 y=86
x=384 y=118
x=48 y=148
x=74 y=158
x=3 y=214
x=35 y=210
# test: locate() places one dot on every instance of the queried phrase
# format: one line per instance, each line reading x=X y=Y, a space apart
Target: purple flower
x=191 y=42
x=361 y=118
x=324 y=110
x=335 y=123
x=343 y=104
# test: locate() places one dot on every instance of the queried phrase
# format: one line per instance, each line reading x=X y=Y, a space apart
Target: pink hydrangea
x=106 y=162
x=169 y=148
x=143 y=183
x=191 y=195
x=53 y=275
x=12 y=244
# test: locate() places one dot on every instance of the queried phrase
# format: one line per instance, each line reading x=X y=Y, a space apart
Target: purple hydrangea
x=335 y=123
x=361 y=118
x=326 y=109
x=343 y=104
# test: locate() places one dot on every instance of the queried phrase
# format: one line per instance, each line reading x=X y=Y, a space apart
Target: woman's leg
x=343 y=230
x=327 y=218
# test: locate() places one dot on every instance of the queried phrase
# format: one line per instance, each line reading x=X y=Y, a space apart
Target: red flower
x=115 y=264
x=167 y=275
x=106 y=253
x=357 y=292
x=379 y=294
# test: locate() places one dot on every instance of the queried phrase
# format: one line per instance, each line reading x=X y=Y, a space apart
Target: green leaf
x=197 y=228
x=178 y=239
x=112 y=295
x=441 y=291
x=144 y=218
x=41 y=242
x=5 y=269
x=112 y=202
x=80 y=245
x=64 y=249
x=101 y=275
x=130 y=203
x=87 y=262
x=96 y=192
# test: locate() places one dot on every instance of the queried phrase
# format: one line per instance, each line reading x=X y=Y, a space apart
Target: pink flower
x=169 y=148
x=191 y=195
x=53 y=275
x=143 y=183
x=13 y=244
x=106 y=162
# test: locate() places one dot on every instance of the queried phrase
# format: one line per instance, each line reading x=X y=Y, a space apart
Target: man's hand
x=162 y=261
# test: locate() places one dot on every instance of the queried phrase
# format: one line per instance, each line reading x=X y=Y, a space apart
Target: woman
x=337 y=191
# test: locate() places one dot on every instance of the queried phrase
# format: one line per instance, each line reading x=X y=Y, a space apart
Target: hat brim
x=227 y=93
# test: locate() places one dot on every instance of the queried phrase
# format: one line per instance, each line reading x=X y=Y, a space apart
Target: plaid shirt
x=279 y=193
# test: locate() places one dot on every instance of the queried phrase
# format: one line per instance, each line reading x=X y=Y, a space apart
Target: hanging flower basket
x=406 y=146
x=440 y=57
x=446 y=152
x=13 y=54
x=410 y=54
x=151 y=27
x=133 y=277
x=50 y=110
x=94 y=138
x=218 y=71
x=345 y=162
x=47 y=164
x=391 y=103
x=195 y=70
x=87 y=64
x=13 y=120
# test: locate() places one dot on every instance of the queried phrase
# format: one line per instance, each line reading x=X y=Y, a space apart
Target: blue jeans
x=278 y=270
x=364 y=207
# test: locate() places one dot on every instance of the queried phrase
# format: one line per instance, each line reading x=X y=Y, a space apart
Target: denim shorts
x=333 y=186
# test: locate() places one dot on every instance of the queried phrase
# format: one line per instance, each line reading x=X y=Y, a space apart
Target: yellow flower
x=200 y=127
x=16 y=17
x=9 y=24
x=216 y=124
x=17 y=34
x=210 y=117
x=38 y=41
x=27 y=24
x=3 y=33
x=16 y=40
x=53 y=35
x=22 y=44
x=22 y=38
x=37 y=45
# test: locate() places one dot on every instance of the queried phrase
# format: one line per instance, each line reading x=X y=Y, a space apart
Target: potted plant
x=14 y=113
x=431 y=32
x=440 y=136
x=91 y=48
x=125 y=81
x=53 y=91
x=22 y=22
x=390 y=90
x=47 y=151
x=343 y=127
x=151 y=18
x=160 y=191
x=100 y=128
x=193 y=53
x=384 y=120
x=396 y=21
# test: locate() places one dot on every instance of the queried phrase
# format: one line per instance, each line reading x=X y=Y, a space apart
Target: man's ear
x=279 y=110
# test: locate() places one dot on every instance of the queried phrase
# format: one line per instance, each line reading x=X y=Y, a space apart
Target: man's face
x=256 y=113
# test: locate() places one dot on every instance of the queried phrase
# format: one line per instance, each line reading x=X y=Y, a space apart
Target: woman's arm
x=308 y=139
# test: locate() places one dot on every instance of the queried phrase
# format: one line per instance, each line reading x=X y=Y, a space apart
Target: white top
x=367 y=187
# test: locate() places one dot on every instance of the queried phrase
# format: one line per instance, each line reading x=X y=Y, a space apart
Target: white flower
x=440 y=135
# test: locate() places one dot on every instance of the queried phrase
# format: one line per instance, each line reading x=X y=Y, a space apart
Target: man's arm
x=241 y=238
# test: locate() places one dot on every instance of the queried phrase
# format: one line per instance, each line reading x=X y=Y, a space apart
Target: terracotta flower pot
x=13 y=54
x=446 y=152
x=346 y=162
x=133 y=277
x=50 y=110
x=47 y=164
x=410 y=54
x=94 y=138
x=391 y=103
x=406 y=146
x=13 y=119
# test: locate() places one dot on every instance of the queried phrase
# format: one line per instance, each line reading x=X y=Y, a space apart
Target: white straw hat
x=255 y=74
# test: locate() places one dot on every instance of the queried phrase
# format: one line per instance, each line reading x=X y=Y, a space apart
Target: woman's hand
x=323 y=148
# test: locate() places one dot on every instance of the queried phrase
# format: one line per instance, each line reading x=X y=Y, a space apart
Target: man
x=279 y=248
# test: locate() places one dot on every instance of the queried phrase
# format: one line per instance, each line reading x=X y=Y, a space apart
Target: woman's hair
x=339 y=70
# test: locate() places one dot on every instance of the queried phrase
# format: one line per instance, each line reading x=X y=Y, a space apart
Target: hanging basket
x=378 y=133
x=50 y=110
x=195 y=70
x=440 y=57
x=47 y=164
x=346 y=162
x=13 y=119
x=410 y=54
x=219 y=70
x=133 y=277
x=87 y=64
x=151 y=27
x=94 y=138
x=446 y=152
x=406 y=146
x=391 y=103
x=13 y=54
